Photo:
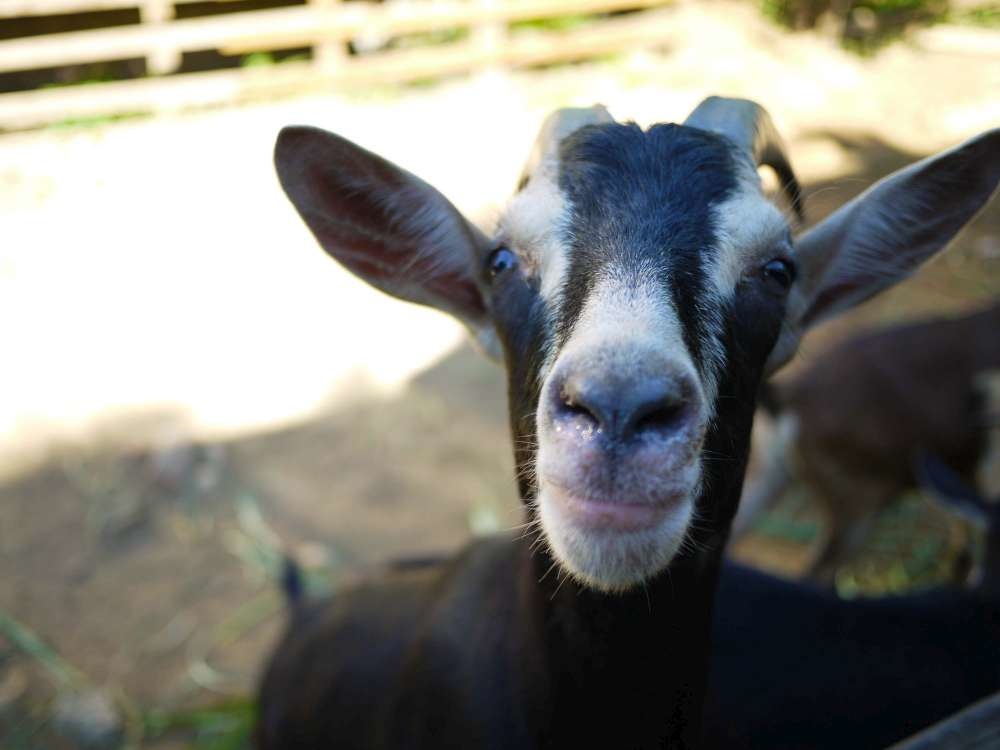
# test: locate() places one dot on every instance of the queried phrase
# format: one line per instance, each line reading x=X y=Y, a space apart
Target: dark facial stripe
x=642 y=200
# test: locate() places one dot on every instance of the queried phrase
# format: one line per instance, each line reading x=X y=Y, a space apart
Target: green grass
x=888 y=19
x=24 y=733
x=27 y=641
x=226 y=726
x=268 y=59
x=94 y=121
x=556 y=23
x=985 y=15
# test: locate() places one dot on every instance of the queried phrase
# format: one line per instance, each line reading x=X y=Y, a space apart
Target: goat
x=850 y=425
x=820 y=672
x=638 y=287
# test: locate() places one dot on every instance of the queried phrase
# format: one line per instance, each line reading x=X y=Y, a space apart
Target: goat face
x=638 y=285
x=644 y=262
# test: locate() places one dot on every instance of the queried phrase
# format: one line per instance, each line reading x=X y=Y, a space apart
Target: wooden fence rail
x=25 y=8
x=323 y=25
x=281 y=28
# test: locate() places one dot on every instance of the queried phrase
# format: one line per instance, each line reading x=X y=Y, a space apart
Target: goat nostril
x=656 y=407
x=658 y=416
x=621 y=409
x=578 y=405
x=572 y=404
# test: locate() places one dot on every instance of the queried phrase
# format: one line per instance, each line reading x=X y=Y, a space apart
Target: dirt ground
x=190 y=386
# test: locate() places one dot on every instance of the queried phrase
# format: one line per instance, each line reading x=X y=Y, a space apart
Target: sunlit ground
x=190 y=384
x=156 y=262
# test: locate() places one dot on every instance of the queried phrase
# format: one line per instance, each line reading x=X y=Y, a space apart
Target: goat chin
x=612 y=546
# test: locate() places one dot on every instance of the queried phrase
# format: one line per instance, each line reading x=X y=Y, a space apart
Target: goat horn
x=556 y=127
x=749 y=126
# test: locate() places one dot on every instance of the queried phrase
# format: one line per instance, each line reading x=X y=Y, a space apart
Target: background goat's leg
x=849 y=505
x=776 y=472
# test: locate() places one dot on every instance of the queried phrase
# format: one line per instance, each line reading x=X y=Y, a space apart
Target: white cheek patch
x=747 y=226
x=534 y=224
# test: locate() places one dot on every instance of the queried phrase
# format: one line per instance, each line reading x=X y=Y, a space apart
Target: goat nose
x=648 y=406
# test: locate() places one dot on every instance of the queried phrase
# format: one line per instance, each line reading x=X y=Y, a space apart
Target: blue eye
x=779 y=273
x=500 y=260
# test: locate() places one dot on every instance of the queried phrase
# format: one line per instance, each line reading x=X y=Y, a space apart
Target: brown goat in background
x=850 y=425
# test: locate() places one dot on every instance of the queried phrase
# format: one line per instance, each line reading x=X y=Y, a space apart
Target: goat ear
x=384 y=224
x=884 y=234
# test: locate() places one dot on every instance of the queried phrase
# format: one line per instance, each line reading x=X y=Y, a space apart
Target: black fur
x=292 y=584
x=493 y=648
x=639 y=200
x=821 y=673
x=490 y=649
x=796 y=667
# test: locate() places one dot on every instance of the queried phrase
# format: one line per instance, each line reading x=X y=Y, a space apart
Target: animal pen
x=417 y=40
x=332 y=45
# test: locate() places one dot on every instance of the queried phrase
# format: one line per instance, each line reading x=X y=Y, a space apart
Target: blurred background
x=190 y=386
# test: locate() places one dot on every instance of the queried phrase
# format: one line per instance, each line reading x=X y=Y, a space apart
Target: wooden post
x=489 y=37
x=284 y=28
x=161 y=59
x=328 y=54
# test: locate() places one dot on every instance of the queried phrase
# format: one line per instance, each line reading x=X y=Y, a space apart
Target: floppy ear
x=884 y=234
x=384 y=224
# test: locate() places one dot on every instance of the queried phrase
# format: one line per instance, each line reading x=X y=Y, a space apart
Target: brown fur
x=867 y=406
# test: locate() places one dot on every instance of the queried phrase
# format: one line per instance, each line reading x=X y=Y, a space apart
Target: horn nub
x=556 y=127
x=749 y=126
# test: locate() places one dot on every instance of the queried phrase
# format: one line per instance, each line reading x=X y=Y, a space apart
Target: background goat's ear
x=884 y=234
x=382 y=223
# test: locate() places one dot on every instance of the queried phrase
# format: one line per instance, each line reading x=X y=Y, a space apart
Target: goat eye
x=779 y=273
x=499 y=261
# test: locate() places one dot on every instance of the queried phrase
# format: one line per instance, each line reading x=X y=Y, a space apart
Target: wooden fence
x=324 y=26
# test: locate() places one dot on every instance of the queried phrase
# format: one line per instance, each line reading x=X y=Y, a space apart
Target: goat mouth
x=611 y=515
x=610 y=544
